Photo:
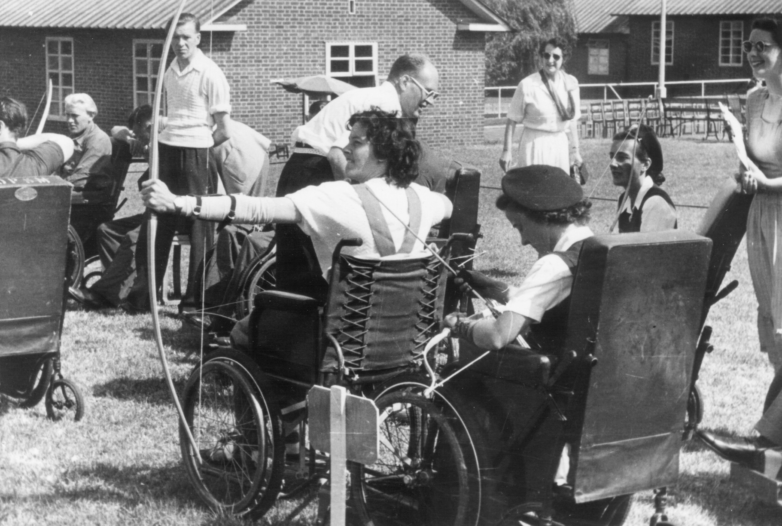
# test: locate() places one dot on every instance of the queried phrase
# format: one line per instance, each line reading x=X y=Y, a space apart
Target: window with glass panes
x=668 y=42
x=59 y=68
x=146 y=62
x=598 y=57
x=354 y=63
x=731 y=36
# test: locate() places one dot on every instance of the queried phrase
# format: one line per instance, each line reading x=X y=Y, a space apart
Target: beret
x=541 y=188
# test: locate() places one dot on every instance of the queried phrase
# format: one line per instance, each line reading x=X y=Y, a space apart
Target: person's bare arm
x=506 y=159
x=490 y=333
x=338 y=162
x=64 y=143
x=223 y=124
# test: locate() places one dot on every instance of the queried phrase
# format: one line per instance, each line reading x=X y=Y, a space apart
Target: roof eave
x=489 y=16
x=483 y=28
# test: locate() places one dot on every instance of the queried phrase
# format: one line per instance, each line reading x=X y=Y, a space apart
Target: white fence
x=497 y=99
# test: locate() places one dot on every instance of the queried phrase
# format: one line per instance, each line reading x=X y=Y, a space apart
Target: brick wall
x=282 y=40
x=695 y=53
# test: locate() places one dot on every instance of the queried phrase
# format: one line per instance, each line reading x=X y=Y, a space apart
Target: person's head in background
x=315 y=108
x=13 y=118
x=80 y=111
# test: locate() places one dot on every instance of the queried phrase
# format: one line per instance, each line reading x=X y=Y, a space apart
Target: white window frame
x=351 y=59
x=151 y=71
x=60 y=90
x=352 y=7
x=735 y=28
x=656 y=45
x=598 y=45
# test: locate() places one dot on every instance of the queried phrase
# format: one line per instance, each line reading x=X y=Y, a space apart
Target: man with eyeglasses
x=317 y=156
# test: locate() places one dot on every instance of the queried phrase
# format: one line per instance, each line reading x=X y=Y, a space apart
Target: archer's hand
x=157 y=197
x=506 y=160
x=752 y=180
x=484 y=285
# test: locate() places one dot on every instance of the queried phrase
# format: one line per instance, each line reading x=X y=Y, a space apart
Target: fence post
x=499 y=103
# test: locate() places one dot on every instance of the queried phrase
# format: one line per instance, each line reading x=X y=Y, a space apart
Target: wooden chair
x=598 y=118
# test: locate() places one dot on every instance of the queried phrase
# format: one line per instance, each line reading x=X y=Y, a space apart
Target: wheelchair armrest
x=285 y=301
x=516 y=365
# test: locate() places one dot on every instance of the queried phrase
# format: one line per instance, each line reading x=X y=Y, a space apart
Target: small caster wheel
x=62 y=399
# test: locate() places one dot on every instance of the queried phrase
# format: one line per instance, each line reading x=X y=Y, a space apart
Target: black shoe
x=748 y=452
x=88 y=299
x=195 y=319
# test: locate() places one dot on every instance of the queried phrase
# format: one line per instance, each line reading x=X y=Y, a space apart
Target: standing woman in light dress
x=764 y=146
x=547 y=105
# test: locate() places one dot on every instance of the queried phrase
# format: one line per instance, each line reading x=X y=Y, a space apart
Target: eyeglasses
x=430 y=95
x=759 y=46
x=549 y=55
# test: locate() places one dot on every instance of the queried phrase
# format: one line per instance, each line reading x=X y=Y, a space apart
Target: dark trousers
x=117 y=242
x=297 y=266
x=186 y=172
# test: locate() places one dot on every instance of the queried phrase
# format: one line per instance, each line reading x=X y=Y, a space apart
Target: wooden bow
x=48 y=95
x=154 y=173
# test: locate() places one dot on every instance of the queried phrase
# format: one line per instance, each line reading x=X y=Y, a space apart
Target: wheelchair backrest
x=382 y=312
x=34 y=214
x=725 y=223
x=635 y=306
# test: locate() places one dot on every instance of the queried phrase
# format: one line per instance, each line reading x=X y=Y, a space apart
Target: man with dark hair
x=550 y=212
x=198 y=108
x=317 y=155
x=39 y=154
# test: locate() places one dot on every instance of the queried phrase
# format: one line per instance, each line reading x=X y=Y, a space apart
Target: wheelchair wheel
x=420 y=476
x=74 y=264
x=40 y=384
x=93 y=271
x=262 y=277
x=470 y=434
x=694 y=412
x=62 y=399
x=238 y=434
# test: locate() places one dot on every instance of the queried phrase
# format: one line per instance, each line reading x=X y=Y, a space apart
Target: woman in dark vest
x=643 y=206
x=550 y=212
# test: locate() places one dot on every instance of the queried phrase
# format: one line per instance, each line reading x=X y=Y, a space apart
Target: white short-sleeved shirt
x=549 y=281
x=328 y=129
x=533 y=106
x=332 y=212
x=192 y=95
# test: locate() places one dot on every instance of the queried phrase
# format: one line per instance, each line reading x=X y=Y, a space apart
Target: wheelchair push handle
x=351 y=242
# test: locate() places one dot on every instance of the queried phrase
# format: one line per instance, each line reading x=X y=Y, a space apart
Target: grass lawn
x=121 y=464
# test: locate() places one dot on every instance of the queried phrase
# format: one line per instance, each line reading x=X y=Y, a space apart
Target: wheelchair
x=34 y=278
x=369 y=336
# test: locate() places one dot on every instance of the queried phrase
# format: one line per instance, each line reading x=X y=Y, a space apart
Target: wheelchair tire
x=93 y=271
x=239 y=436
x=40 y=384
x=262 y=276
x=64 y=398
x=420 y=476
x=74 y=263
x=694 y=412
x=471 y=436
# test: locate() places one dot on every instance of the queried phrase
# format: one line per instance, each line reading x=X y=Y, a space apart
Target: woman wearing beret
x=636 y=165
x=547 y=105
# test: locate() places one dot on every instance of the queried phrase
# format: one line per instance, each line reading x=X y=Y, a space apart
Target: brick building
x=111 y=48
x=619 y=41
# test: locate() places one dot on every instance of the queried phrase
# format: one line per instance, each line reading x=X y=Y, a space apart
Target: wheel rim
x=420 y=475
x=230 y=433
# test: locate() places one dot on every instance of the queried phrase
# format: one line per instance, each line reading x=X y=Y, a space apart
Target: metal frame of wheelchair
x=241 y=406
x=477 y=442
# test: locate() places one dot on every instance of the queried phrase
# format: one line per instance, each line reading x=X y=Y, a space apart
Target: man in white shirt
x=317 y=157
x=198 y=107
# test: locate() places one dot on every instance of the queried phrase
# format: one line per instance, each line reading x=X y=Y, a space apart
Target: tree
x=512 y=56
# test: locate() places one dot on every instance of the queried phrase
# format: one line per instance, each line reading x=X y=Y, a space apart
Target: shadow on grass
x=127 y=486
x=499 y=273
x=148 y=390
x=728 y=502
x=184 y=341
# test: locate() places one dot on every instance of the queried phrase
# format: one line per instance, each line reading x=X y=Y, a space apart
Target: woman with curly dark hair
x=550 y=212
x=382 y=161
